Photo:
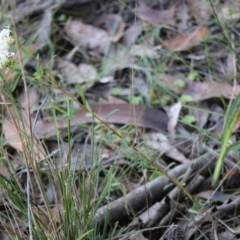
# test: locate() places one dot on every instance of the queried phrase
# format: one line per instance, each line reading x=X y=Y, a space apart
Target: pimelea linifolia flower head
x=5 y=42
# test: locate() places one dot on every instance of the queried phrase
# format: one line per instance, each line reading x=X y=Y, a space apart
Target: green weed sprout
x=231 y=118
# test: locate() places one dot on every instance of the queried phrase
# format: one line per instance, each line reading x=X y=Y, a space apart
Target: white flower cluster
x=5 y=42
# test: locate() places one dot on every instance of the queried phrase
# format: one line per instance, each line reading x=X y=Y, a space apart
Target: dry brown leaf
x=109 y=113
x=155 y=17
x=88 y=36
x=201 y=10
x=13 y=136
x=113 y=24
x=183 y=42
x=83 y=73
x=201 y=90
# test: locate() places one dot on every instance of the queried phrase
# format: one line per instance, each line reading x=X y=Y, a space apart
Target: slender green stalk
x=224 y=150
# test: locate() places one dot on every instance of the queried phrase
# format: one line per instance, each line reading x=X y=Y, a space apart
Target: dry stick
x=151 y=192
x=177 y=207
x=155 y=212
x=215 y=211
x=136 y=200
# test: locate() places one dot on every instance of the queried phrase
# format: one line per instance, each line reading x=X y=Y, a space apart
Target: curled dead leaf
x=155 y=17
x=88 y=36
x=183 y=42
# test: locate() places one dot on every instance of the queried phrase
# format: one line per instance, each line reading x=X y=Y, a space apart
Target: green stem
x=220 y=160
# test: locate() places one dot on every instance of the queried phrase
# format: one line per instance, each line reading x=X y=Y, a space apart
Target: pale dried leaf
x=33 y=99
x=113 y=24
x=88 y=36
x=160 y=142
x=155 y=17
x=83 y=73
x=132 y=33
x=11 y=135
x=144 y=50
x=87 y=73
x=45 y=27
x=183 y=42
x=201 y=10
x=173 y=115
x=229 y=12
x=106 y=79
x=183 y=17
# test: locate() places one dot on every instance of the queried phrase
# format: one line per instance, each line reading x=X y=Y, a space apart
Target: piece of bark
x=156 y=211
x=151 y=215
x=137 y=199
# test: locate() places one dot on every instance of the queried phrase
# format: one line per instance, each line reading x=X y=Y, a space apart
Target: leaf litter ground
x=125 y=99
